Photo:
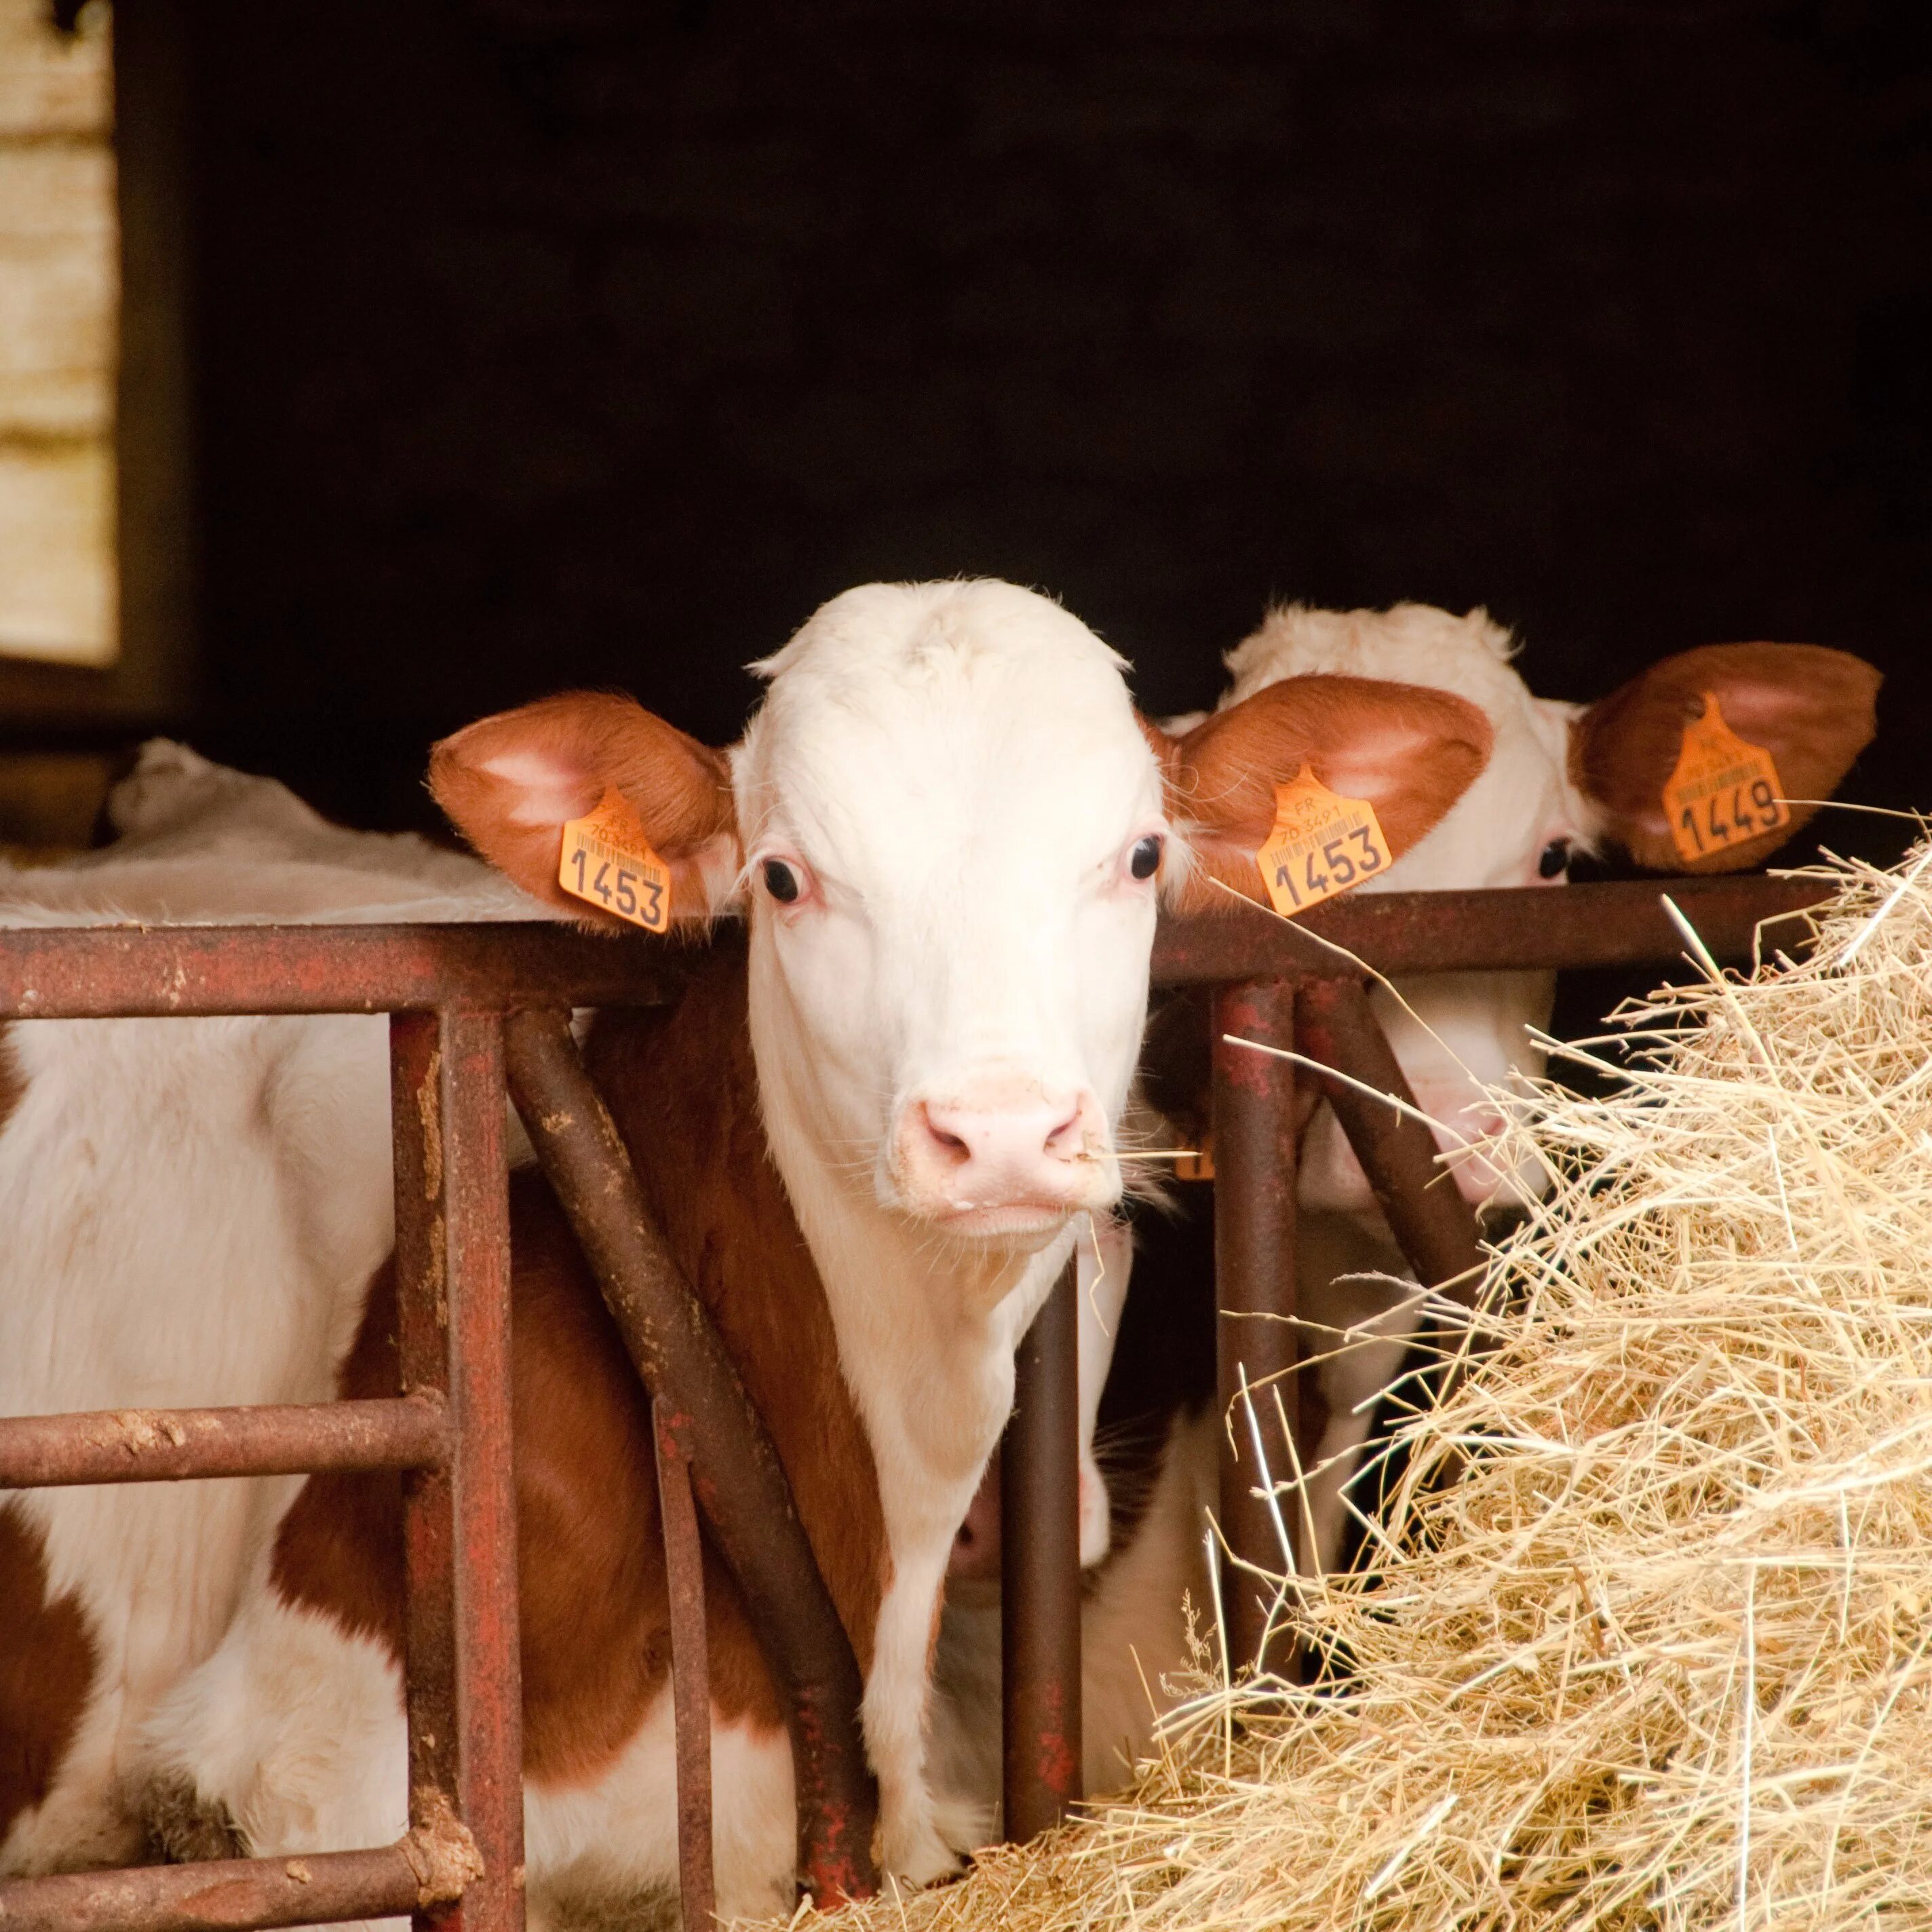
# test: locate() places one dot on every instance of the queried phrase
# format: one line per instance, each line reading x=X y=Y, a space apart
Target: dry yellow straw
x=1662 y=1657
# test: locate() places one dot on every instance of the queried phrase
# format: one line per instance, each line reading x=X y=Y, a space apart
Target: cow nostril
x=953 y=1146
x=1064 y=1140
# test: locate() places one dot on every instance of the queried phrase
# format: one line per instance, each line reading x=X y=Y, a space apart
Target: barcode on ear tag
x=1322 y=844
x=608 y=862
x=1723 y=791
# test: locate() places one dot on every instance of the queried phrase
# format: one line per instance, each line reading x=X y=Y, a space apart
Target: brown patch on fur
x=47 y=1663
x=1810 y=706
x=13 y=1085
x=1410 y=751
x=596 y=1612
x=588 y=741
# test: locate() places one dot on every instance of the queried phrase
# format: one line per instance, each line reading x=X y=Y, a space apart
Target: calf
x=871 y=1146
x=1562 y=778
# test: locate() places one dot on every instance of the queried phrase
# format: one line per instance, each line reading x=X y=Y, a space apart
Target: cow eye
x=1143 y=861
x=1556 y=859
x=781 y=881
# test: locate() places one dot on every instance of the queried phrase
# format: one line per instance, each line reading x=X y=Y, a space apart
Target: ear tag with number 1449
x=1723 y=791
x=607 y=863
x=1321 y=844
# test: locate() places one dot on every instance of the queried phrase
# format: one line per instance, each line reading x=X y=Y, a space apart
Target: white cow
x=947 y=828
x=1562 y=778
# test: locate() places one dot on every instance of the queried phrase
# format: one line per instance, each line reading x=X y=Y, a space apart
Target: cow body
x=946 y=828
x=193 y=1208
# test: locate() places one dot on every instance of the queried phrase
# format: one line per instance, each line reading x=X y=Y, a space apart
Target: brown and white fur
x=1561 y=777
x=936 y=824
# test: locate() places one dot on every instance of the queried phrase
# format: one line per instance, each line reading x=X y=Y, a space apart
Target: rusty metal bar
x=690 y=1676
x=1434 y=1225
x=1619 y=924
x=741 y=1484
x=1254 y=1291
x=103 y=972
x=1041 y=1754
x=462 y=1670
x=424 y=1870
x=166 y=1445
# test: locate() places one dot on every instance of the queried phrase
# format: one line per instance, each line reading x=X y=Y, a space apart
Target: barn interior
x=465 y=351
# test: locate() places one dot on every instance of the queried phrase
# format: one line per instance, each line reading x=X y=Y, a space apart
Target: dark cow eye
x=781 y=881
x=1556 y=859
x=1144 y=860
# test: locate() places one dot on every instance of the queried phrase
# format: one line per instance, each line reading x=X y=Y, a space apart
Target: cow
x=1563 y=778
x=872 y=1139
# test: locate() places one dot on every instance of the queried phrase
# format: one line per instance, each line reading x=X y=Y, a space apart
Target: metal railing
x=477 y=1012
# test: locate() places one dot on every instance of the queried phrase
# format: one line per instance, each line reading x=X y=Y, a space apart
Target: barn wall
x=559 y=342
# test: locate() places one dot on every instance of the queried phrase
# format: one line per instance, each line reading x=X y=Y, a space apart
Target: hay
x=1663 y=1656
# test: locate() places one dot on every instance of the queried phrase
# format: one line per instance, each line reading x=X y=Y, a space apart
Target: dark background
x=536 y=345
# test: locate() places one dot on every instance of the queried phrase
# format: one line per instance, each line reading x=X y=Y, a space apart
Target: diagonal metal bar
x=1425 y=1209
x=690 y=1675
x=741 y=1484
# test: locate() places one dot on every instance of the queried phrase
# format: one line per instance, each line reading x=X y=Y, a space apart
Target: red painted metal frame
x=1039 y=1512
x=1302 y=988
x=449 y=990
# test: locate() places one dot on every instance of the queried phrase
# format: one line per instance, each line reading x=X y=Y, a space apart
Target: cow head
x=1562 y=778
x=948 y=829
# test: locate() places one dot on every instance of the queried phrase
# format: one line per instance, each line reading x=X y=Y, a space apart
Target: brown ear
x=1410 y=751
x=1809 y=706
x=510 y=783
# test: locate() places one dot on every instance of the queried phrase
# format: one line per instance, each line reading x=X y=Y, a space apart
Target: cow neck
x=926 y=1328
x=680 y=1085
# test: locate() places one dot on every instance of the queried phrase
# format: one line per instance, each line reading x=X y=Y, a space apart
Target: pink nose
x=1000 y=1147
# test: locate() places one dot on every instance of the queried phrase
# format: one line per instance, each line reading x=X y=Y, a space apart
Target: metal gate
x=478 y=1012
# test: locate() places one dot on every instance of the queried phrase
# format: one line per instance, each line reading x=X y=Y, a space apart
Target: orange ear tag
x=1723 y=791
x=1321 y=844
x=608 y=862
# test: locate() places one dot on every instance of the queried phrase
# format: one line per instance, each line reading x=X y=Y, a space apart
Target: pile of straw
x=1662 y=1655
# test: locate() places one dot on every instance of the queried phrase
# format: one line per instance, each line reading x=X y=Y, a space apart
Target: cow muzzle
x=1003 y=1155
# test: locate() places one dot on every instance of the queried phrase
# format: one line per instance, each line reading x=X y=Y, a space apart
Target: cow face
x=949 y=829
x=1562 y=778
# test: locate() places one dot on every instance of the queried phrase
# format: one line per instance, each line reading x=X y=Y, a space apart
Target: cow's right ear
x=1810 y=706
x=510 y=783
x=1410 y=751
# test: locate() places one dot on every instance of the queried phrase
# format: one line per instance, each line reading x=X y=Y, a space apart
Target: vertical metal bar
x=690 y=1677
x=1254 y=1267
x=1039 y=1537
x=461 y=1665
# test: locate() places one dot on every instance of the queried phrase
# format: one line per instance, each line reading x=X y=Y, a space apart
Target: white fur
x=1467 y=1031
x=1134 y=1624
x=918 y=745
x=961 y=767
x=194 y=1209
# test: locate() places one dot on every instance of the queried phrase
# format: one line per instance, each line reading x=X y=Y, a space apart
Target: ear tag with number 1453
x=1321 y=844
x=1723 y=791
x=608 y=862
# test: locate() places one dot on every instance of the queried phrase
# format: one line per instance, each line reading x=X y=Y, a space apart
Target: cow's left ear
x=1409 y=752
x=1811 y=707
x=511 y=783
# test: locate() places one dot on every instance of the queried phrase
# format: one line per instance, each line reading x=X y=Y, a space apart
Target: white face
x=952 y=824
x=1455 y=1032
